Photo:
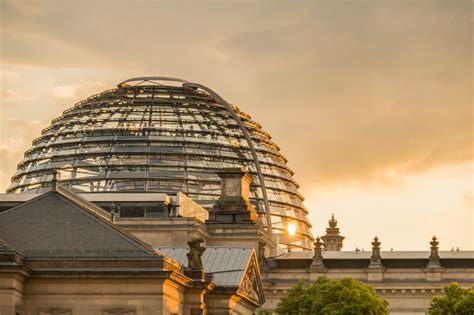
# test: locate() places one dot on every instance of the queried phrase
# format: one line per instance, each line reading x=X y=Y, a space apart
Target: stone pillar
x=233 y=220
x=234 y=205
x=13 y=275
x=194 y=297
x=332 y=240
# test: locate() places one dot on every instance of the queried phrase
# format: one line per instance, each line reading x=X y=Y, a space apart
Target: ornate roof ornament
x=318 y=260
x=332 y=240
x=195 y=253
x=250 y=285
x=376 y=258
x=434 y=260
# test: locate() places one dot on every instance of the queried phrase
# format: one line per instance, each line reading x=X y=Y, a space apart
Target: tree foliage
x=457 y=301
x=326 y=296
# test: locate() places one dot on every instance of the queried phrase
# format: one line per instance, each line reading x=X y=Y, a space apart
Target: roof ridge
x=5 y=246
x=84 y=203
x=27 y=202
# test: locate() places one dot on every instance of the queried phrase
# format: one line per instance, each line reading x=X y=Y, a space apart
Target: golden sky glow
x=371 y=101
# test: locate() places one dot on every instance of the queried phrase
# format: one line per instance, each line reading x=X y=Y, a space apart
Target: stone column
x=194 y=296
x=13 y=275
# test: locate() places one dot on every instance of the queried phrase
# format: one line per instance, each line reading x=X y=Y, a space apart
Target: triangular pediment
x=251 y=285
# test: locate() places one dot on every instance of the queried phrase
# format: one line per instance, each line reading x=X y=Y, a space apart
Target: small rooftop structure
x=139 y=205
x=332 y=240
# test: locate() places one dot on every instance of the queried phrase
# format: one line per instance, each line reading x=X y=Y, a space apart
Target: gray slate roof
x=51 y=225
x=227 y=265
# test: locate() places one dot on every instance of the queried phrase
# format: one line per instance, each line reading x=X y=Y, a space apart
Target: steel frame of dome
x=241 y=126
x=93 y=114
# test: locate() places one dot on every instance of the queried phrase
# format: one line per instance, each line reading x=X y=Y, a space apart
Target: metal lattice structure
x=164 y=135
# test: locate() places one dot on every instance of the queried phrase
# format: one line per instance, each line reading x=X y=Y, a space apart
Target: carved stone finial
x=376 y=244
x=318 y=248
x=332 y=222
x=195 y=253
x=332 y=240
x=375 y=259
x=318 y=260
x=434 y=260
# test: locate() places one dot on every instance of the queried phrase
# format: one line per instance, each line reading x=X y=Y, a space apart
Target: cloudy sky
x=371 y=101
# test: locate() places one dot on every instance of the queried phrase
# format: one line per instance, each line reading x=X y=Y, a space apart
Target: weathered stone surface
x=234 y=206
x=332 y=240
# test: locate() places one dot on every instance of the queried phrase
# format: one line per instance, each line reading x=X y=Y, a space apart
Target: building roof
x=227 y=265
x=384 y=254
x=53 y=225
x=361 y=259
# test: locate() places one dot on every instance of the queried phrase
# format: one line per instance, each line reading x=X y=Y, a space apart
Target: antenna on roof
x=54 y=181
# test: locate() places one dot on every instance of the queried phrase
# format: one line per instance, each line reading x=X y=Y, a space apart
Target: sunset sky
x=370 y=101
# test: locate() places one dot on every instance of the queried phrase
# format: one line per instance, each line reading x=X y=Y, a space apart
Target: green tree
x=457 y=301
x=326 y=296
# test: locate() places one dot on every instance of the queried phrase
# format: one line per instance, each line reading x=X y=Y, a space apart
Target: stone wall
x=100 y=296
x=408 y=291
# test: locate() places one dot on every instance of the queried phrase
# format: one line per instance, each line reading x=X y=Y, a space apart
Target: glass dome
x=164 y=135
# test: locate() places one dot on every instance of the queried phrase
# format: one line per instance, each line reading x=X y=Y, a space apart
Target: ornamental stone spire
x=376 y=270
x=332 y=240
x=434 y=260
x=375 y=259
x=318 y=260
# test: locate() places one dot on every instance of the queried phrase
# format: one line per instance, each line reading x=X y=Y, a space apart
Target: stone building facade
x=61 y=254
